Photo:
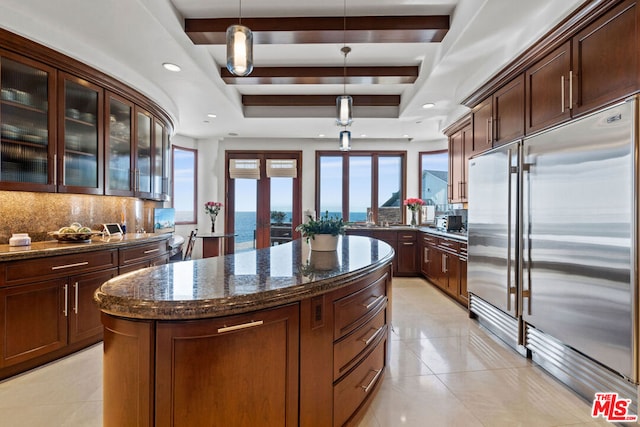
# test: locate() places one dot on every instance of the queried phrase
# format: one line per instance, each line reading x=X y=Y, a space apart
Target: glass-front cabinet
x=119 y=159
x=143 y=154
x=160 y=159
x=27 y=124
x=80 y=136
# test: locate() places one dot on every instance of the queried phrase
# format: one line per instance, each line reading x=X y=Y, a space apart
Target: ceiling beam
x=324 y=75
x=301 y=30
x=317 y=100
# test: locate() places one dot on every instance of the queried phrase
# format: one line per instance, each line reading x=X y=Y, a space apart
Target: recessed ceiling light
x=362 y=135
x=321 y=135
x=171 y=67
x=428 y=105
x=213 y=116
x=406 y=135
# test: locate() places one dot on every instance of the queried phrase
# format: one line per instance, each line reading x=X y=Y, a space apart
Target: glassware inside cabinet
x=119 y=151
x=143 y=160
x=24 y=128
x=81 y=139
x=158 y=153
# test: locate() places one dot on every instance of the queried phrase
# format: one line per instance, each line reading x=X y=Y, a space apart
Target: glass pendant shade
x=344 y=104
x=345 y=140
x=239 y=50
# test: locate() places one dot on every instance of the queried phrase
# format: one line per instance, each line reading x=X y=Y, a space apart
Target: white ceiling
x=130 y=39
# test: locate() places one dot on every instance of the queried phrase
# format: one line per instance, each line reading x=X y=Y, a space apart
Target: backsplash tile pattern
x=39 y=213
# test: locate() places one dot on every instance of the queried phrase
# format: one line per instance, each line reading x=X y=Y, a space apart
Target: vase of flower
x=414 y=205
x=212 y=208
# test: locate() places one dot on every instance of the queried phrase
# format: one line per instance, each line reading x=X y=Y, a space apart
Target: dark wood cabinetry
x=144 y=255
x=508 y=112
x=460 y=149
x=482 y=126
x=55 y=118
x=258 y=390
x=443 y=262
x=403 y=242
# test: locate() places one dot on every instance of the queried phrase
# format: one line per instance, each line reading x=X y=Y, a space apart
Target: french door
x=263 y=198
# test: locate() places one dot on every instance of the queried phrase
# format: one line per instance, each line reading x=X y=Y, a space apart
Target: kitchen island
x=276 y=336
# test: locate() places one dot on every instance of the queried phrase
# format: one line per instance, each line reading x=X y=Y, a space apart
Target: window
x=185 y=173
x=354 y=183
x=434 y=177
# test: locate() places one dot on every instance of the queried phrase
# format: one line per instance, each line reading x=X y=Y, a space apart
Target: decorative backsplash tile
x=39 y=213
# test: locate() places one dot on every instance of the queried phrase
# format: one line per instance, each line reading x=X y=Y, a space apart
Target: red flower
x=413 y=203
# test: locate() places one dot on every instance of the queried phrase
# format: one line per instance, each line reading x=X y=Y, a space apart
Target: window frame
x=375 y=156
x=194 y=219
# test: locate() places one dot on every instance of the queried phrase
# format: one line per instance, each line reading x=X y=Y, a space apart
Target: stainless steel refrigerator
x=552 y=262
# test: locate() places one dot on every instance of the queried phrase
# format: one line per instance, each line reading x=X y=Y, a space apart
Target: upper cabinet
x=80 y=136
x=27 y=124
x=67 y=127
x=460 y=149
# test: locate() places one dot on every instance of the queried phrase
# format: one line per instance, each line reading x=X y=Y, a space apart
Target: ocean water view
x=246 y=223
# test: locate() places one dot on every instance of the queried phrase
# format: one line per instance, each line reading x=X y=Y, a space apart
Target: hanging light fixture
x=239 y=48
x=344 y=102
x=345 y=140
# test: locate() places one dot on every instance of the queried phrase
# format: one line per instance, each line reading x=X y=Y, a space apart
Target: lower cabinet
x=83 y=314
x=444 y=262
x=244 y=369
x=403 y=242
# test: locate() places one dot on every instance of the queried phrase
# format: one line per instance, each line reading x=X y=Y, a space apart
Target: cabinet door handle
x=444 y=264
x=151 y=251
x=75 y=306
x=373 y=381
x=241 y=326
x=562 y=93
x=66 y=299
x=426 y=255
x=570 y=90
x=373 y=336
x=374 y=302
x=488 y=131
x=407 y=243
x=55 y=169
x=77 y=264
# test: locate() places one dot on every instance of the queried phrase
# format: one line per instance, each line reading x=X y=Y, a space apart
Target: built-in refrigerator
x=552 y=261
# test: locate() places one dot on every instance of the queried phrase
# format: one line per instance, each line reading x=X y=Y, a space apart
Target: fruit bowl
x=73 y=237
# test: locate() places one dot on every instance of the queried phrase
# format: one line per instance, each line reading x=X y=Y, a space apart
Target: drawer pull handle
x=373 y=381
x=374 y=302
x=151 y=251
x=77 y=264
x=242 y=326
x=373 y=336
x=407 y=243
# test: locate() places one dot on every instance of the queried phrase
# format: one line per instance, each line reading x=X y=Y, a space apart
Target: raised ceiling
x=290 y=93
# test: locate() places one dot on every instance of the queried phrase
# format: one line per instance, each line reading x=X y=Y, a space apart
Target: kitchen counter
x=240 y=282
x=53 y=247
x=457 y=235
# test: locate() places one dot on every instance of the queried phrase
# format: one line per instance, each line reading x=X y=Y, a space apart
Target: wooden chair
x=190 y=243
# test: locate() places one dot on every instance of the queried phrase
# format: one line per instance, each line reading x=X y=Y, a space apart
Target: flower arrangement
x=212 y=208
x=414 y=204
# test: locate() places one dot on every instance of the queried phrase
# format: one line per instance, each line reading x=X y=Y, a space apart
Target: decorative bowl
x=73 y=237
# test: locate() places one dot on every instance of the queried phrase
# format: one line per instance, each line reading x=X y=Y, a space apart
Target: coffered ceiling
x=405 y=53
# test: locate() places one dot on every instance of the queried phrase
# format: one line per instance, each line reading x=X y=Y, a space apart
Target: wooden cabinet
x=404 y=244
x=605 y=58
x=80 y=136
x=482 y=126
x=444 y=263
x=251 y=358
x=548 y=83
x=428 y=254
x=119 y=146
x=160 y=166
x=463 y=294
x=460 y=149
x=143 y=154
x=47 y=304
x=144 y=255
x=508 y=112
x=27 y=124
x=407 y=253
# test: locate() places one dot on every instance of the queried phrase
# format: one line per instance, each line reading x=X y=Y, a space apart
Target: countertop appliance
x=449 y=222
x=552 y=249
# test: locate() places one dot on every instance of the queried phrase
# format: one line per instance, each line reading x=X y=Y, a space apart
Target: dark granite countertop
x=457 y=235
x=242 y=282
x=53 y=247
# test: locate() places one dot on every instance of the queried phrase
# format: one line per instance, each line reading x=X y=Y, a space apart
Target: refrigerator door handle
x=510 y=289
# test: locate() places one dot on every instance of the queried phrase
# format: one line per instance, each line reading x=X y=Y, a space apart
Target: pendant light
x=344 y=103
x=345 y=140
x=239 y=48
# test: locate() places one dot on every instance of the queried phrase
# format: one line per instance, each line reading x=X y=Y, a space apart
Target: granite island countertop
x=53 y=247
x=241 y=282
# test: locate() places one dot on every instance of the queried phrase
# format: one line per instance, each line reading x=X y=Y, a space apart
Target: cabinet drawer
x=350 y=312
x=136 y=254
x=384 y=235
x=449 y=245
x=58 y=266
x=346 y=351
x=357 y=386
x=406 y=236
x=429 y=240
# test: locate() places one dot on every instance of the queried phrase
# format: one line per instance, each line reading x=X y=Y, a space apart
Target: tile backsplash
x=39 y=213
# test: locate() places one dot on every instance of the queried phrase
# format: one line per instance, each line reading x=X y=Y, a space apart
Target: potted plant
x=322 y=234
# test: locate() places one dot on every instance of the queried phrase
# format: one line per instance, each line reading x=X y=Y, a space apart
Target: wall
x=39 y=213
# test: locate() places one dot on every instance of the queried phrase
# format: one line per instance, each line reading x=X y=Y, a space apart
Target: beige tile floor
x=445 y=371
